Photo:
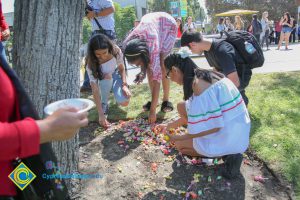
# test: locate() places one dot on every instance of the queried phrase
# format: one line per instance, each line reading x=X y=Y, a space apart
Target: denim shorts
x=286 y=29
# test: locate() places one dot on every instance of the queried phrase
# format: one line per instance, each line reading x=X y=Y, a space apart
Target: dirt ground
x=143 y=172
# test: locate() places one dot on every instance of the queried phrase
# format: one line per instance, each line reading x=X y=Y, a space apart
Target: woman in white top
x=216 y=116
x=190 y=25
x=106 y=72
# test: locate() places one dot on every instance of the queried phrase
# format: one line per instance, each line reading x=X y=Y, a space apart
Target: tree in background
x=86 y=30
x=124 y=19
x=276 y=8
x=158 y=5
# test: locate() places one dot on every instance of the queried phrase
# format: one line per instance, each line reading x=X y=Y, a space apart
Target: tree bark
x=46 y=58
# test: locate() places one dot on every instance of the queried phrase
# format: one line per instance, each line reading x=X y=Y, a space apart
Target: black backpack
x=238 y=39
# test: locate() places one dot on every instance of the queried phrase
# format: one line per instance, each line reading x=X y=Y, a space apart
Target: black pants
x=265 y=38
x=257 y=36
x=293 y=36
x=244 y=73
x=277 y=38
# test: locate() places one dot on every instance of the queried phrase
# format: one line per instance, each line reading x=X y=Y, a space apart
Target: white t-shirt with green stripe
x=219 y=106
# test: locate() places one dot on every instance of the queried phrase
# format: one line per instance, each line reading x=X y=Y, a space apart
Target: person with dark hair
x=105 y=67
x=287 y=24
x=223 y=57
x=147 y=46
x=256 y=27
x=179 y=27
x=101 y=15
x=217 y=119
x=278 y=29
x=183 y=71
x=221 y=27
x=293 y=33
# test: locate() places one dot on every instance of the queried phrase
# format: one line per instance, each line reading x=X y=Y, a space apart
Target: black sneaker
x=232 y=165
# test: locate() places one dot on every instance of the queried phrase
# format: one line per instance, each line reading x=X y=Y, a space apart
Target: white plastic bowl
x=81 y=105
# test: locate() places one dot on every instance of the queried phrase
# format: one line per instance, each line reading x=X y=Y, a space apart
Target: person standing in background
x=221 y=27
x=238 y=23
x=228 y=25
x=190 y=25
x=287 y=24
x=293 y=33
x=256 y=27
x=101 y=15
x=265 y=30
x=278 y=29
x=5 y=33
x=179 y=27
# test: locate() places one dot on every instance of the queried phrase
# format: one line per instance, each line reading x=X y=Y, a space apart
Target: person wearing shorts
x=287 y=24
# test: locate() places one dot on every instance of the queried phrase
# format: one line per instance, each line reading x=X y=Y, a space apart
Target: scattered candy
x=247 y=162
x=193 y=195
x=209 y=179
x=200 y=193
x=154 y=167
x=120 y=169
x=260 y=179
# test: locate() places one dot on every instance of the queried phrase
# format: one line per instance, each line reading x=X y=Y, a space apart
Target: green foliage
x=158 y=5
x=276 y=8
x=124 y=19
x=86 y=30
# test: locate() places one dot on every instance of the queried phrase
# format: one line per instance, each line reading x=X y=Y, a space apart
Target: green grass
x=275 y=112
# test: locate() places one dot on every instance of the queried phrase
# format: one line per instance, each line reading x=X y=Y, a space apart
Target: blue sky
x=8 y=6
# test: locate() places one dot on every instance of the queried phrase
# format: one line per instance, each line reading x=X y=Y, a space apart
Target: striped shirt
x=107 y=22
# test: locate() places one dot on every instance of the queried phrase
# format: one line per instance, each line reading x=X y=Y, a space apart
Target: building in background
x=140 y=6
x=8 y=11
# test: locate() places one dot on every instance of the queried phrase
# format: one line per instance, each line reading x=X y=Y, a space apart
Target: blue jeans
x=114 y=84
x=2 y=51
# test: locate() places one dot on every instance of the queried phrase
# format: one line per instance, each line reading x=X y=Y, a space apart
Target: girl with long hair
x=287 y=25
x=216 y=116
x=147 y=46
x=238 y=23
x=105 y=67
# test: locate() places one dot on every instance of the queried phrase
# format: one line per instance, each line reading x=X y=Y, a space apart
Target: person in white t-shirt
x=217 y=119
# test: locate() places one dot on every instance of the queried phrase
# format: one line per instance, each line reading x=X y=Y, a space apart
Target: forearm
x=155 y=95
x=177 y=123
x=105 y=12
x=122 y=73
x=97 y=97
x=202 y=134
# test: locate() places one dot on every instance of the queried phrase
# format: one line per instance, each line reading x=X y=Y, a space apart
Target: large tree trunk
x=46 y=58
